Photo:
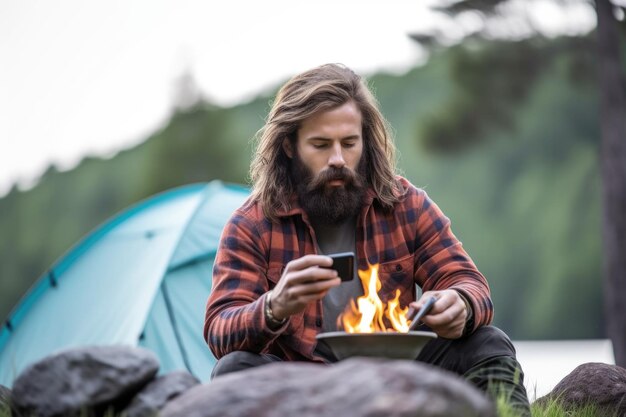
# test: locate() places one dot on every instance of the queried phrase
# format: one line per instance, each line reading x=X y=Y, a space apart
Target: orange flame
x=367 y=315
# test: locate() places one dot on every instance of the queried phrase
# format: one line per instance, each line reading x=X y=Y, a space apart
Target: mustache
x=348 y=176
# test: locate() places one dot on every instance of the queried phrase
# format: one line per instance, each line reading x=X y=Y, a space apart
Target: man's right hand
x=303 y=281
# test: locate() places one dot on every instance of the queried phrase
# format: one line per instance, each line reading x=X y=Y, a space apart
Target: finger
x=449 y=317
x=450 y=330
x=303 y=300
x=311 y=298
x=311 y=274
x=313 y=287
x=452 y=333
x=445 y=300
x=307 y=261
x=417 y=305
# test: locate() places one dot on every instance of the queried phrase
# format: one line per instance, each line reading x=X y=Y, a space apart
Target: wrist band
x=269 y=316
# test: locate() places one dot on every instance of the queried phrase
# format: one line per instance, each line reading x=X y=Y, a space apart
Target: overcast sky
x=84 y=77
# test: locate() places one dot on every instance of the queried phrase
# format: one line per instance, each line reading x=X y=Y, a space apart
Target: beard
x=325 y=203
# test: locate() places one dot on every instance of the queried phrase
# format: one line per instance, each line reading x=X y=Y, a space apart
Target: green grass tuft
x=551 y=408
x=554 y=409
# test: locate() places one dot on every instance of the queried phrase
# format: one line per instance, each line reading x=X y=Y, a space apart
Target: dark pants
x=486 y=358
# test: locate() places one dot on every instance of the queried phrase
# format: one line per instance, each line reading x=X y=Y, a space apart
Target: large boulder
x=85 y=380
x=356 y=387
x=158 y=392
x=592 y=383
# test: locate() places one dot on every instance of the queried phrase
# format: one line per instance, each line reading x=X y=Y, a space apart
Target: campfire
x=368 y=313
x=365 y=331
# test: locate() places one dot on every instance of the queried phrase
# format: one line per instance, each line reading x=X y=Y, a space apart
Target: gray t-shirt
x=336 y=239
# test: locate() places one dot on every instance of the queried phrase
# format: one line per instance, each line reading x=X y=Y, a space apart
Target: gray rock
x=593 y=383
x=89 y=379
x=357 y=387
x=161 y=390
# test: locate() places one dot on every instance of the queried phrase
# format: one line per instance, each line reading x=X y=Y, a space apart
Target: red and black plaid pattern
x=412 y=244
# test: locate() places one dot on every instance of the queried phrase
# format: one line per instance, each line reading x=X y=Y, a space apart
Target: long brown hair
x=322 y=88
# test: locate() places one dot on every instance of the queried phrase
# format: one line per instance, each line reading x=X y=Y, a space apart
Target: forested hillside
x=525 y=199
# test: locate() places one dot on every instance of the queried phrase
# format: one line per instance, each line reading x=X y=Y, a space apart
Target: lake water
x=546 y=363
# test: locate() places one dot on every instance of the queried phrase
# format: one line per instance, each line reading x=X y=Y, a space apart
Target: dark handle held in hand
x=422 y=312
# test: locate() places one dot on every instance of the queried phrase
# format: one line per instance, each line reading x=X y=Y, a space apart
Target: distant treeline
x=523 y=195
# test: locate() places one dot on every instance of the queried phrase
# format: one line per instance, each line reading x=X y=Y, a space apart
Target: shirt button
x=398 y=267
x=318 y=322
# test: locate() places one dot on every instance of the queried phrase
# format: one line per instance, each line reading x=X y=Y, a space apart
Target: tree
x=443 y=132
x=613 y=161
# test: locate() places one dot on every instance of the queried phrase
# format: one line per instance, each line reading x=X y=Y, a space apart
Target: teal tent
x=140 y=279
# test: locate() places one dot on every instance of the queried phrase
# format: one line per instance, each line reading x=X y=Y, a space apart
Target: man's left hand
x=448 y=315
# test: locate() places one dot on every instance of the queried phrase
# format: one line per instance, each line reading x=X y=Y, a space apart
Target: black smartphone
x=343 y=263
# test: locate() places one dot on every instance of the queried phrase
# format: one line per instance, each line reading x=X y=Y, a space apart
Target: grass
x=552 y=409
x=548 y=408
x=555 y=410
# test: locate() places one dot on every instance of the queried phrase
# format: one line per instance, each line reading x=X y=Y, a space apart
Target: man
x=324 y=182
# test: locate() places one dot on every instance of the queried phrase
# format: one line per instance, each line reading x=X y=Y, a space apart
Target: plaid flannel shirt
x=412 y=244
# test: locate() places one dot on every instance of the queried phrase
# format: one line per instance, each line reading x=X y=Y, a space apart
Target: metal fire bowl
x=389 y=345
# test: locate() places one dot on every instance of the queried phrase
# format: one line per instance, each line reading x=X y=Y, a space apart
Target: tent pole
x=170 y=313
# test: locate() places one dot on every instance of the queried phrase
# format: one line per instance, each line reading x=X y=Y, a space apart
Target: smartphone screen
x=343 y=263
